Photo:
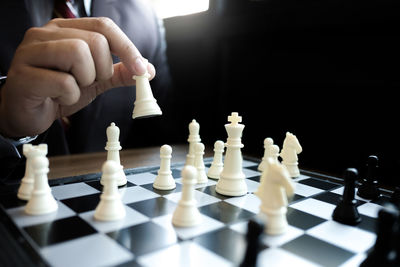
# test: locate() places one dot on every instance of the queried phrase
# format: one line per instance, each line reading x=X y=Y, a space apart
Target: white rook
x=27 y=183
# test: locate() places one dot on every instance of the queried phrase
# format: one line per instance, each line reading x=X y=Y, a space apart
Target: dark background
x=327 y=71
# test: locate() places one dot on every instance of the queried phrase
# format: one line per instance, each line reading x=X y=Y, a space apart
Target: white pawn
x=145 y=103
x=113 y=147
x=217 y=165
x=41 y=200
x=194 y=138
x=110 y=207
x=267 y=143
x=164 y=179
x=27 y=183
x=273 y=154
x=277 y=188
x=291 y=147
x=186 y=213
x=199 y=163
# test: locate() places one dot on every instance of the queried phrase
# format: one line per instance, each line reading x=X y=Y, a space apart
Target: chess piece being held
x=278 y=186
x=291 y=147
x=113 y=147
x=145 y=104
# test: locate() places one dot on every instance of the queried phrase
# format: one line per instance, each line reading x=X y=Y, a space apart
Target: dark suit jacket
x=88 y=126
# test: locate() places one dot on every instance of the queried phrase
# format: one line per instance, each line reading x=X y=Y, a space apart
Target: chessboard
x=146 y=237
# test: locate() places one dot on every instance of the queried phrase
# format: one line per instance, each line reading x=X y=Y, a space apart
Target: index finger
x=120 y=44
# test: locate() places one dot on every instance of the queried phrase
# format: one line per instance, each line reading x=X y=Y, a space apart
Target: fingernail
x=140 y=66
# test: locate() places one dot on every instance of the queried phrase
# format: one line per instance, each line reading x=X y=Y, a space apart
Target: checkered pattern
x=146 y=237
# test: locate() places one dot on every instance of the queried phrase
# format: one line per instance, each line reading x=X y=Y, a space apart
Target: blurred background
x=327 y=71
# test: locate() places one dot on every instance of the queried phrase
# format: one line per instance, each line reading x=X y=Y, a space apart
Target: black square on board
x=225 y=212
x=83 y=203
x=368 y=223
x=154 y=207
x=144 y=238
x=302 y=220
x=321 y=184
x=59 y=231
x=225 y=242
x=333 y=198
x=11 y=201
x=318 y=251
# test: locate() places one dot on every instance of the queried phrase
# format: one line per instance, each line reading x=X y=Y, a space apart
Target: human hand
x=60 y=68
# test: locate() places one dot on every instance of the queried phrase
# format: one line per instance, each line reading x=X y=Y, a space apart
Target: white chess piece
x=186 y=213
x=110 y=207
x=217 y=164
x=145 y=104
x=199 y=163
x=232 y=179
x=194 y=138
x=113 y=147
x=41 y=200
x=164 y=179
x=291 y=147
x=267 y=143
x=27 y=183
x=273 y=154
x=26 y=187
x=277 y=187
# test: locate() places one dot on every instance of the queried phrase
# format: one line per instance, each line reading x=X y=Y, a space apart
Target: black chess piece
x=369 y=188
x=383 y=252
x=395 y=197
x=254 y=230
x=346 y=211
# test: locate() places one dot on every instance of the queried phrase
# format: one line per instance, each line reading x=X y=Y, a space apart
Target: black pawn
x=383 y=252
x=346 y=211
x=254 y=231
x=369 y=188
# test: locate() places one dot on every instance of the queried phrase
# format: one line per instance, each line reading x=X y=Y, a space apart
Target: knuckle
x=104 y=23
x=98 y=40
x=33 y=32
x=66 y=83
x=53 y=22
x=68 y=89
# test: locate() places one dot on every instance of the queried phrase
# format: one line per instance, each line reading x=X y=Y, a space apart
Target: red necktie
x=62 y=10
